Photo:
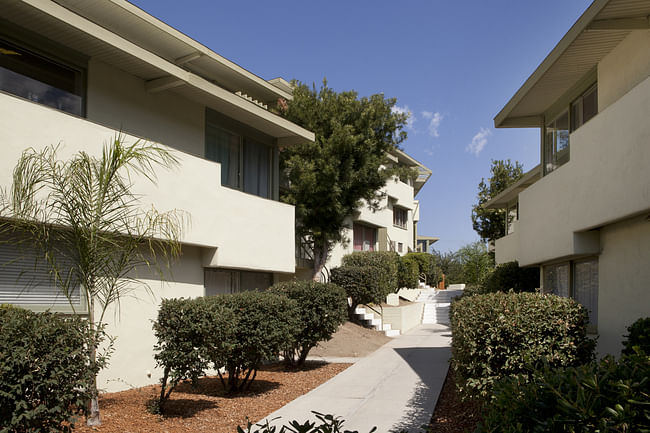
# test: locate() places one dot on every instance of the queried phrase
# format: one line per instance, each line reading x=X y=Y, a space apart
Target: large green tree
x=490 y=224
x=341 y=170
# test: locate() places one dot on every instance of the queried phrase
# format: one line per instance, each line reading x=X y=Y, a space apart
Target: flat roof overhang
x=509 y=194
x=424 y=173
x=601 y=27
x=80 y=34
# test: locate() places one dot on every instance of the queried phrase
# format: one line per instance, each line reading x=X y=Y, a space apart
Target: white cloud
x=405 y=110
x=434 y=122
x=478 y=142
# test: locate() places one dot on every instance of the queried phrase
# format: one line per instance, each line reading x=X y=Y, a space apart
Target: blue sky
x=452 y=64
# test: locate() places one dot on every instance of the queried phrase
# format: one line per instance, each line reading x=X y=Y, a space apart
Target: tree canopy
x=332 y=177
x=490 y=224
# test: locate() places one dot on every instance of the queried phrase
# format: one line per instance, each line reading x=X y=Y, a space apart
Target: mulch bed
x=451 y=414
x=207 y=408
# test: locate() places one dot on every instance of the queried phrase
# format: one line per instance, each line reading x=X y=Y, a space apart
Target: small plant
x=321 y=309
x=639 y=336
x=504 y=334
x=328 y=424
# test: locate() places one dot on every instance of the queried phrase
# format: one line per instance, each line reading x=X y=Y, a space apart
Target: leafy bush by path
x=427 y=267
x=191 y=333
x=509 y=276
x=639 y=336
x=45 y=378
x=361 y=284
x=384 y=263
x=264 y=324
x=321 y=309
x=408 y=273
x=607 y=396
x=326 y=424
x=502 y=334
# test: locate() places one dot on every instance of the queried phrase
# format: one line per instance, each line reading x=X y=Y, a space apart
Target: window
x=246 y=163
x=26 y=279
x=365 y=237
x=400 y=217
x=40 y=79
x=400 y=247
x=556 y=137
x=226 y=281
x=578 y=280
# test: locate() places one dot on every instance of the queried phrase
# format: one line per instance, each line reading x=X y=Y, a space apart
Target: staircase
x=436 y=304
x=368 y=319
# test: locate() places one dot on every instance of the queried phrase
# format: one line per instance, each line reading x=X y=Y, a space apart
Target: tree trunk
x=320 y=258
x=93 y=406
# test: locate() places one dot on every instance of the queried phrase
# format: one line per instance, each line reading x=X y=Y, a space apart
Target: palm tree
x=88 y=225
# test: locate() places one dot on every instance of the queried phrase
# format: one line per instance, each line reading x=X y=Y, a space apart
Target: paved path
x=394 y=388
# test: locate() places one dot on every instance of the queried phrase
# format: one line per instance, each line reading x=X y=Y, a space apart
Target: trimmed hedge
x=264 y=324
x=607 y=396
x=639 y=336
x=45 y=376
x=509 y=276
x=428 y=270
x=361 y=284
x=503 y=334
x=384 y=263
x=321 y=309
x=408 y=272
x=191 y=334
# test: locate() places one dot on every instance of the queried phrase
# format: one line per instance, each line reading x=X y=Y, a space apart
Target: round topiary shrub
x=384 y=263
x=503 y=334
x=362 y=284
x=45 y=376
x=321 y=309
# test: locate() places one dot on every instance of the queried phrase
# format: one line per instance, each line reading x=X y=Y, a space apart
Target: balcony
x=236 y=229
x=506 y=249
x=606 y=180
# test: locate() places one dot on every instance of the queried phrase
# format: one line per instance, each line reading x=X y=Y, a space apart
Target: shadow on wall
x=431 y=365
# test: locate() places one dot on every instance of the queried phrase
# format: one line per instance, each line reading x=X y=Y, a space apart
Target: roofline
x=175 y=72
x=522 y=184
x=580 y=25
x=201 y=49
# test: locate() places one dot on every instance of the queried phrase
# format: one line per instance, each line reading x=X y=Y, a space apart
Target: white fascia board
x=119 y=43
x=500 y=120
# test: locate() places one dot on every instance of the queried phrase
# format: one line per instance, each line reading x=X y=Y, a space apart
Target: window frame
x=51 y=52
x=396 y=217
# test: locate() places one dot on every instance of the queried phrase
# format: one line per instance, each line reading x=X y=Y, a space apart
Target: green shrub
x=509 y=276
x=428 y=270
x=45 y=378
x=384 y=263
x=607 y=396
x=191 y=334
x=502 y=334
x=362 y=285
x=321 y=309
x=408 y=272
x=325 y=424
x=639 y=336
x=264 y=325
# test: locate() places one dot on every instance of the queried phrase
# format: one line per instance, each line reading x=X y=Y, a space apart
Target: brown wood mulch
x=207 y=408
x=452 y=415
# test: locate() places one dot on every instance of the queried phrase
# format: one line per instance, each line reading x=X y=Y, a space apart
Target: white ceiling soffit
x=137 y=26
x=600 y=28
x=67 y=28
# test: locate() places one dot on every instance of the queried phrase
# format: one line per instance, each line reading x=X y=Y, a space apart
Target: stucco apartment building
x=76 y=71
x=393 y=227
x=583 y=214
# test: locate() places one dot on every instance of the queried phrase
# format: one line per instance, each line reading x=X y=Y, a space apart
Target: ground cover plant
x=502 y=334
x=47 y=376
x=321 y=309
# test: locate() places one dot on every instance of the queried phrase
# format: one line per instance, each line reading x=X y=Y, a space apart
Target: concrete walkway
x=395 y=388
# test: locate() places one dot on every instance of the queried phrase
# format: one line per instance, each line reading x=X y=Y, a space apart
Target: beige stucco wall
x=506 y=249
x=394 y=192
x=624 y=280
x=405 y=317
x=119 y=101
x=607 y=179
x=249 y=232
x=623 y=68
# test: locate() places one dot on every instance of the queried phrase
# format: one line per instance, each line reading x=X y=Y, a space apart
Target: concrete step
x=392 y=333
